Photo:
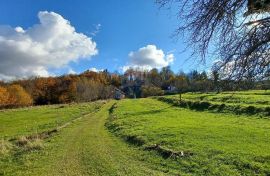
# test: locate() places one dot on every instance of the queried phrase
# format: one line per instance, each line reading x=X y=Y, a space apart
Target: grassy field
x=244 y=98
x=195 y=143
x=256 y=102
x=27 y=121
x=85 y=147
x=137 y=137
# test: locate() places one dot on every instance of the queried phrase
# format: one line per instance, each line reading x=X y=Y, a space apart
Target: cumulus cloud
x=148 y=57
x=93 y=69
x=53 y=43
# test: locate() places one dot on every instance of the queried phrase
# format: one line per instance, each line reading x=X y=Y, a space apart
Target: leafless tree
x=237 y=32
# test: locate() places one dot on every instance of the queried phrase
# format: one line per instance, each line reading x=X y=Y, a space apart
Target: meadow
x=254 y=102
x=28 y=121
x=148 y=136
x=24 y=131
x=197 y=142
x=253 y=97
x=79 y=145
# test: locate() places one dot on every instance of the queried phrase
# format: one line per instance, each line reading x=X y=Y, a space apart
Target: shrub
x=151 y=91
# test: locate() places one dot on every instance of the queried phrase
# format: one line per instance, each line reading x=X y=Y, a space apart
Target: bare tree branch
x=236 y=30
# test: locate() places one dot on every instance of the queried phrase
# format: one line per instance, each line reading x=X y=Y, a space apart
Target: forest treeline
x=91 y=86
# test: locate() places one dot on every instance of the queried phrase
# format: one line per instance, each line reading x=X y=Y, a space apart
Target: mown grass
x=26 y=133
x=162 y=139
x=197 y=143
x=84 y=147
x=28 y=121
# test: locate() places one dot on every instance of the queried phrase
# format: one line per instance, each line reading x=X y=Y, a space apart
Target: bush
x=151 y=91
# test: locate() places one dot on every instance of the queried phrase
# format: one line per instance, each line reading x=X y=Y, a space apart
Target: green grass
x=83 y=148
x=255 y=102
x=212 y=143
x=259 y=98
x=27 y=121
x=137 y=137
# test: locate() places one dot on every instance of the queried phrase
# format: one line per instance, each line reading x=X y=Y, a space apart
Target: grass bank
x=255 y=102
x=194 y=143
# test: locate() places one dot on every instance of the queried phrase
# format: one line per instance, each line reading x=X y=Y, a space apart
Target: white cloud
x=97 y=30
x=53 y=43
x=148 y=57
x=95 y=69
x=71 y=71
x=19 y=29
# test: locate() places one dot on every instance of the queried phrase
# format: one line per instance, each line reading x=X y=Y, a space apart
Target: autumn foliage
x=4 y=96
x=91 y=86
x=14 y=96
x=88 y=86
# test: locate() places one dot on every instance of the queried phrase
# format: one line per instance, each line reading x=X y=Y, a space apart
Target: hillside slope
x=195 y=142
x=83 y=148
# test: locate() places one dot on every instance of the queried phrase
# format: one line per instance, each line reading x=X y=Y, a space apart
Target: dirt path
x=87 y=148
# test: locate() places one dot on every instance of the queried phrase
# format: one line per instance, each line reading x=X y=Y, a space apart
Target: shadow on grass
x=217 y=108
x=149 y=112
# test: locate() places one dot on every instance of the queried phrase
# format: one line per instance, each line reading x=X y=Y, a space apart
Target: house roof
x=116 y=89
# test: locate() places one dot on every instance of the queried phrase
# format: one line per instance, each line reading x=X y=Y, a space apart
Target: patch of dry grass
x=29 y=144
x=5 y=147
x=36 y=144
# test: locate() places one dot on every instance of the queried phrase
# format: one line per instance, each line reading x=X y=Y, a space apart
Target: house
x=171 y=90
x=118 y=94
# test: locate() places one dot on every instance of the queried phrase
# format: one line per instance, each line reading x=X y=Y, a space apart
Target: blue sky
x=125 y=26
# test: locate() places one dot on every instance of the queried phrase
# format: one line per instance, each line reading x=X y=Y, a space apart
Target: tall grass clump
x=29 y=144
x=36 y=144
x=5 y=147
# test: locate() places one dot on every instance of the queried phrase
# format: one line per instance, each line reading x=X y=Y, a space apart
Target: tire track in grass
x=91 y=150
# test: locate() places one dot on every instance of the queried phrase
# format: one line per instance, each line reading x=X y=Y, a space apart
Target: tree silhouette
x=236 y=31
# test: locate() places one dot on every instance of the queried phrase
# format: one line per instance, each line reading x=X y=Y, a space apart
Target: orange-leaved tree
x=18 y=96
x=4 y=97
